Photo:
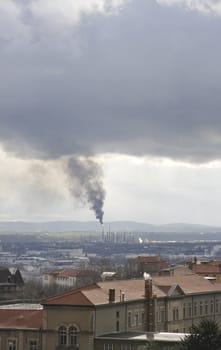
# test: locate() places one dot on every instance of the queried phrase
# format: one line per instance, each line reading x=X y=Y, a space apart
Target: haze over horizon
x=183 y=230
x=111 y=105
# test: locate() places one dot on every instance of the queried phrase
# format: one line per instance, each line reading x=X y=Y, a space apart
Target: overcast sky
x=133 y=85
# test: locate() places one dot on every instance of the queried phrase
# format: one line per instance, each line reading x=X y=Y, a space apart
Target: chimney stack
x=111 y=295
x=149 y=302
x=148 y=285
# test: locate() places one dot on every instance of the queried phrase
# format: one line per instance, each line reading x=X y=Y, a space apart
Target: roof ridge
x=69 y=292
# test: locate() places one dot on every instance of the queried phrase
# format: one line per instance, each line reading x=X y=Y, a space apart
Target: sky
x=110 y=105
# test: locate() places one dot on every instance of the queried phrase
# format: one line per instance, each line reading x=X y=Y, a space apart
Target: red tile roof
x=31 y=319
x=71 y=297
x=146 y=259
x=206 y=268
x=70 y=273
x=98 y=294
x=164 y=265
x=190 y=284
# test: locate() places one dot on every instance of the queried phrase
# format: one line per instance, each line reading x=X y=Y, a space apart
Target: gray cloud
x=205 y=6
x=145 y=80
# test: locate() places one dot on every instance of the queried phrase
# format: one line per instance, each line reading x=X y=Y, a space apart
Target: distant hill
x=125 y=226
x=184 y=227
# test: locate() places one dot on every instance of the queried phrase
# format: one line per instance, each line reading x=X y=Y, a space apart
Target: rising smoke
x=86 y=184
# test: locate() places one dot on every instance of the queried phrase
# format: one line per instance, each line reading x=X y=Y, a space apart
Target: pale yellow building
x=109 y=314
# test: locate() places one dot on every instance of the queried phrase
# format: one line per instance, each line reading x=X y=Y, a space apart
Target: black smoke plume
x=87 y=184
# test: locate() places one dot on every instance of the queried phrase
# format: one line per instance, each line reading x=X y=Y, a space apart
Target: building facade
x=11 y=283
x=209 y=269
x=107 y=314
x=21 y=327
x=150 y=264
x=69 y=278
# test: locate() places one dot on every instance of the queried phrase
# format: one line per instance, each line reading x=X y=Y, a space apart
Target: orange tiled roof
x=70 y=273
x=146 y=259
x=164 y=265
x=206 y=268
x=71 y=297
x=215 y=262
x=31 y=319
x=190 y=284
x=98 y=294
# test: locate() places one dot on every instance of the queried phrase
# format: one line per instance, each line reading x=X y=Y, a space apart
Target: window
x=162 y=315
x=92 y=322
x=158 y=316
x=136 y=319
x=12 y=344
x=206 y=307
x=142 y=317
x=62 y=335
x=217 y=306
x=189 y=309
x=195 y=308
x=117 y=326
x=211 y=306
x=33 y=344
x=201 y=308
x=117 y=314
x=126 y=347
x=72 y=335
x=129 y=319
x=184 y=310
x=108 y=347
x=175 y=313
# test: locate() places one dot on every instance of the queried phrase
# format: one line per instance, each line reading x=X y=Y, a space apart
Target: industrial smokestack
x=86 y=184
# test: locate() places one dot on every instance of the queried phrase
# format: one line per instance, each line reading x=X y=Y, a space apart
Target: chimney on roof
x=149 y=302
x=148 y=285
x=111 y=295
x=122 y=296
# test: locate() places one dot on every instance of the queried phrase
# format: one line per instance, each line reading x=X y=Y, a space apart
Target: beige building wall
x=114 y=318
x=110 y=318
x=120 y=344
x=173 y=311
x=160 y=315
x=67 y=281
x=22 y=338
x=80 y=317
x=178 y=314
x=137 y=311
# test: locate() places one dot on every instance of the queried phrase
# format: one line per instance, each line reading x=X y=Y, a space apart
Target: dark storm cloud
x=144 y=81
